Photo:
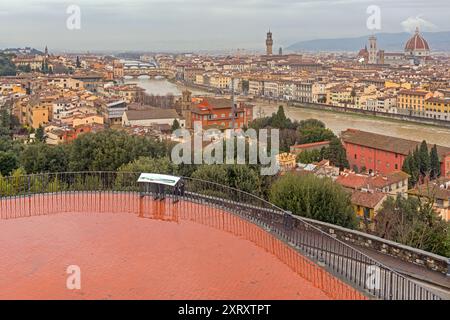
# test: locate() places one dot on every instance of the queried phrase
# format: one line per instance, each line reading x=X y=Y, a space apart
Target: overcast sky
x=204 y=24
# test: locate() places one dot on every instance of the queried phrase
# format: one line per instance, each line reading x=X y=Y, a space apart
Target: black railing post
x=288 y=220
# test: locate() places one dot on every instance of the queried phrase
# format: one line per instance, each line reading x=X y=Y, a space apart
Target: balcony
x=199 y=240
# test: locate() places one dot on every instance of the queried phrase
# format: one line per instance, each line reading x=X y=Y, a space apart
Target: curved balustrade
x=241 y=213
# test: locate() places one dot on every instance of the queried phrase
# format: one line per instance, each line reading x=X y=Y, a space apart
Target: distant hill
x=438 y=41
x=22 y=51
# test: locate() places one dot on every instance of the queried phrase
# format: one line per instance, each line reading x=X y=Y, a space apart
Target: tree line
x=421 y=164
x=302 y=132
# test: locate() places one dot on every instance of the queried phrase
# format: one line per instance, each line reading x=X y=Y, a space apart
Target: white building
x=150 y=117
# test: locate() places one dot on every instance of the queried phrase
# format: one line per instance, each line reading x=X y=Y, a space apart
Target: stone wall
x=401 y=117
x=419 y=257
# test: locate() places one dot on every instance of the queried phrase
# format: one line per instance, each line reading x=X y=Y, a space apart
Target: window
x=367 y=213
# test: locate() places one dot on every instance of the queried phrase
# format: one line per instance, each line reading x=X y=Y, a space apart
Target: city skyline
x=180 y=25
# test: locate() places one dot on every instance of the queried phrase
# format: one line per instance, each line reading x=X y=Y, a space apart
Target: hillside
x=7 y=68
x=438 y=41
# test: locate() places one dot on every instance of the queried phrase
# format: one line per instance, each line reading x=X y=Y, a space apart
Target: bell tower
x=186 y=105
x=269 y=44
x=373 y=50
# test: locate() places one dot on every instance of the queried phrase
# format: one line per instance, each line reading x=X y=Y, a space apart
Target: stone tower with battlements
x=269 y=44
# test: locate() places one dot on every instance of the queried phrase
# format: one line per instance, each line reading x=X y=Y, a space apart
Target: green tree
x=312 y=130
x=435 y=163
x=311 y=123
x=150 y=165
x=288 y=138
x=108 y=150
x=336 y=154
x=279 y=120
x=78 y=63
x=8 y=162
x=308 y=157
x=40 y=134
x=415 y=223
x=414 y=171
x=44 y=67
x=5 y=123
x=312 y=197
x=312 y=135
x=240 y=177
x=7 y=67
x=25 y=69
x=175 y=125
x=424 y=159
x=42 y=158
x=409 y=166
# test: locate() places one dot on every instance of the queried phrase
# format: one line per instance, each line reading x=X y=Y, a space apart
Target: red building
x=384 y=154
x=74 y=133
x=217 y=113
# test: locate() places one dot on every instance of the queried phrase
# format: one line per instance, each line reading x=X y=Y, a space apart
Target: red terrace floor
x=122 y=256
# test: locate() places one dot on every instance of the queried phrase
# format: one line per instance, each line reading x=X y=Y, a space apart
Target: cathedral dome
x=416 y=43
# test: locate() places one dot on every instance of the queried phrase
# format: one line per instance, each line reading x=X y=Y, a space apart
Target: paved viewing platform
x=124 y=257
x=135 y=240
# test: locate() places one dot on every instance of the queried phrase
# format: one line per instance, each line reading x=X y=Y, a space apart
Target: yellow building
x=366 y=205
x=412 y=102
x=220 y=81
x=34 y=62
x=18 y=89
x=66 y=83
x=287 y=161
x=11 y=88
x=118 y=69
x=199 y=79
x=340 y=96
x=395 y=85
x=87 y=120
x=437 y=108
x=37 y=115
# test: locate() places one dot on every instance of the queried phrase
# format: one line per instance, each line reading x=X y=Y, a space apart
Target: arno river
x=335 y=121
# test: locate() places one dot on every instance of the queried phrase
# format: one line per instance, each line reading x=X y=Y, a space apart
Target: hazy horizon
x=205 y=25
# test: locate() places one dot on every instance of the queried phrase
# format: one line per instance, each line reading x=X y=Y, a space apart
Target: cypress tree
x=424 y=159
x=435 y=164
x=406 y=164
x=414 y=172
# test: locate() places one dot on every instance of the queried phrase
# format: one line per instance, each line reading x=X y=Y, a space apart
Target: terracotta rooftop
x=386 y=143
x=308 y=145
x=358 y=181
x=367 y=199
x=154 y=113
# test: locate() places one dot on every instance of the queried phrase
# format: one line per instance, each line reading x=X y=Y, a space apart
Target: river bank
x=336 y=121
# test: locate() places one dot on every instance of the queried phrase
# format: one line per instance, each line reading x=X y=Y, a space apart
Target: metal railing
x=57 y=192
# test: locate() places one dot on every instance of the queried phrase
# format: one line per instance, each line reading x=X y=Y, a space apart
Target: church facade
x=416 y=52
